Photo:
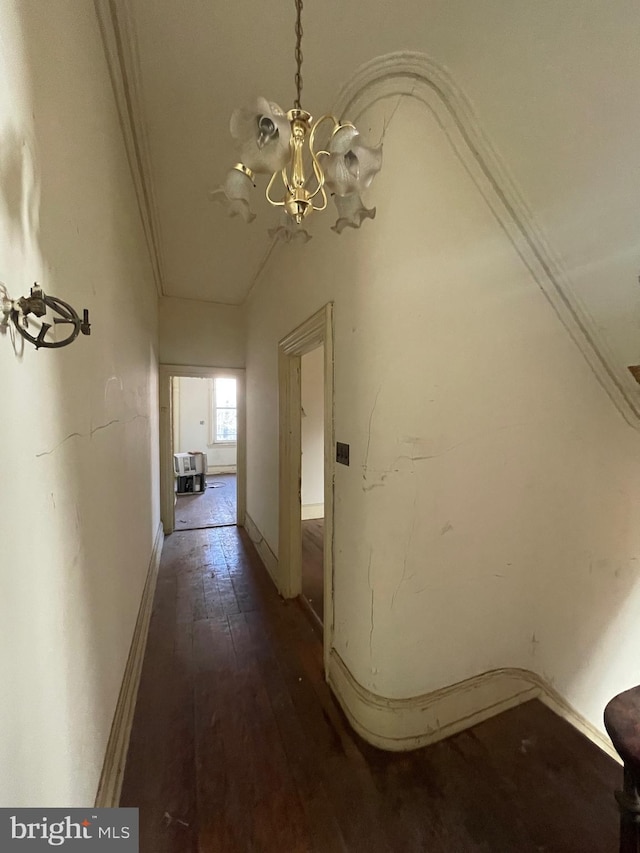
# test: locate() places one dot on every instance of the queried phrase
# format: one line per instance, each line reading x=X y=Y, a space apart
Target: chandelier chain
x=297 y=103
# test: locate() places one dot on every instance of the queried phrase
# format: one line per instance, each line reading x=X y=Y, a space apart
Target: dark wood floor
x=215 y=505
x=238 y=745
x=313 y=565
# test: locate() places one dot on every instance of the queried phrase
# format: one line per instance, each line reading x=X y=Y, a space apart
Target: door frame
x=315 y=331
x=165 y=374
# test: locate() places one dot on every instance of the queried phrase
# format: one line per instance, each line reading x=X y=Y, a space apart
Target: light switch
x=342 y=453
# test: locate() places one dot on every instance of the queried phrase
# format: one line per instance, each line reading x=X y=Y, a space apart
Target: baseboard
x=310 y=511
x=265 y=553
x=403 y=724
x=553 y=700
x=110 y=785
x=221 y=469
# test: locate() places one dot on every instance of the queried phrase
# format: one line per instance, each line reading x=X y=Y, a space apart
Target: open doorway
x=202 y=447
x=205 y=436
x=312 y=480
x=313 y=338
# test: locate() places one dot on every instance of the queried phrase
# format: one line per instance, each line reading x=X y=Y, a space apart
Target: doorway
x=312 y=481
x=315 y=334
x=205 y=436
x=202 y=447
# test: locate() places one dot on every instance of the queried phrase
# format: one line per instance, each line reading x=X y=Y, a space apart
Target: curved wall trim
x=399 y=725
x=414 y=75
x=403 y=724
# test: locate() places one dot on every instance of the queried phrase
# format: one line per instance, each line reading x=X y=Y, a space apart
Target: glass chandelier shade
x=283 y=145
x=351 y=166
x=351 y=212
x=234 y=194
x=261 y=134
x=288 y=231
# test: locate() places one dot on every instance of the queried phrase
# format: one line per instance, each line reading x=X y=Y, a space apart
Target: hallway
x=238 y=745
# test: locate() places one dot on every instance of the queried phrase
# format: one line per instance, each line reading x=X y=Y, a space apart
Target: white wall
x=193 y=423
x=79 y=486
x=204 y=334
x=312 y=433
x=489 y=515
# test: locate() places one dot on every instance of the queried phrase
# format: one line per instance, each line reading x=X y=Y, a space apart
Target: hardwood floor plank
x=238 y=744
x=313 y=564
x=547 y=753
x=215 y=505
x=279 y=819
x=223 y=822
x=332 y=751
x=325 y=834
x=159 y=773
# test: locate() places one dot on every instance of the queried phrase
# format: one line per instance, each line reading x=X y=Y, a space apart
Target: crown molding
x=120 y=48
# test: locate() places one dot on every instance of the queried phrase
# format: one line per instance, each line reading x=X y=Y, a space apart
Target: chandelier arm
x=340 y=125
x=266 y=192
x=317 y=168
x=324 y=199
x=316 y=125
x=317 y=171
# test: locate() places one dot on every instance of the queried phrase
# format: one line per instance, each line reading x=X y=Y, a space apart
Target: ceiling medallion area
x=283 y=145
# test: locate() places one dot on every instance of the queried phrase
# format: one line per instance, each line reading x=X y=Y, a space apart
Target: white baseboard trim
x=403 y=724
x=310 y=511
x=553 y=700
x=221 y=469
x=110 y=785
x=265 y=553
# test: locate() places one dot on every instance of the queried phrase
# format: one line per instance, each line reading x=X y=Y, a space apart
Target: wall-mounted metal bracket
x=36 y=304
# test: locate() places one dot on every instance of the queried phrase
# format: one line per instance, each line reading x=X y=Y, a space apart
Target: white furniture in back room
x=190 y=472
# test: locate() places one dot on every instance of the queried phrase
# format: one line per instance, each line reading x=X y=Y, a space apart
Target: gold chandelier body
x=298 y=198
x=283 y=145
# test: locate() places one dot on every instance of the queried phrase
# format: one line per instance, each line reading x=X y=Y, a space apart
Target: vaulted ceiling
x=554 y=87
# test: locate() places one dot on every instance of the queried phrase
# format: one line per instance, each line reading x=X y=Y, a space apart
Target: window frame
x=213 y=412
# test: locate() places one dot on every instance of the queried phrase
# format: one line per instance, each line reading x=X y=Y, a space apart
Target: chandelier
x=283 y=145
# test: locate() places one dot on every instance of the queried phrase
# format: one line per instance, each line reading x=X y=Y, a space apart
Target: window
x=225 y=413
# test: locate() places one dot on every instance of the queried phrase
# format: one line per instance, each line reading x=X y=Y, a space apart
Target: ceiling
x=550 y=84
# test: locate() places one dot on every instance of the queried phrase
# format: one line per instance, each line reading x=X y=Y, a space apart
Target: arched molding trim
x=414 y=75
x=399 y=725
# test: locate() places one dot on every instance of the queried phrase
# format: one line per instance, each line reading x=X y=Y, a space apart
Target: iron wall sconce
x=37 y=303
